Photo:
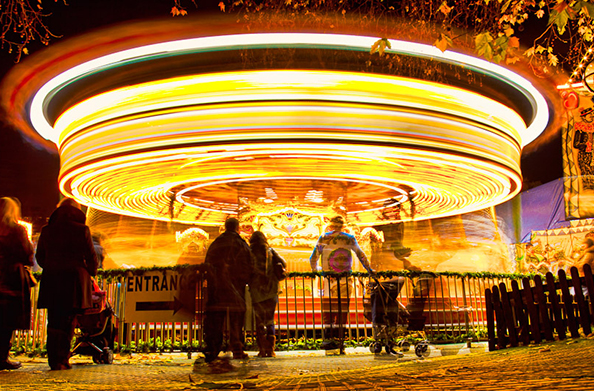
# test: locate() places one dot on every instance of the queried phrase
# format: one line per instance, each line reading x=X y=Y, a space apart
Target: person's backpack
x=278 y=264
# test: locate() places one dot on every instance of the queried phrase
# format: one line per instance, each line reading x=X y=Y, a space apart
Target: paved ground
x=563 y=365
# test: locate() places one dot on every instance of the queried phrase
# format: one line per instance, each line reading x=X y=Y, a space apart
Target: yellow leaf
x=444 y=8
x=222 y=6
x=183 y=12
x=174 y=11
x=441 y=44
x=375 y=46
x=509 y=31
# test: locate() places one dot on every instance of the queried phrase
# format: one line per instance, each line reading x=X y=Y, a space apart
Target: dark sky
x=30 y=173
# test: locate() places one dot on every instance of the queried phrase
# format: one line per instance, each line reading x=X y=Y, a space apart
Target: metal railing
x=454 y=309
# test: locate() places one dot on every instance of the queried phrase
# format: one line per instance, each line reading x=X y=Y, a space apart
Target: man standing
x=336 y=247
x=230 y=266
x=65 y=252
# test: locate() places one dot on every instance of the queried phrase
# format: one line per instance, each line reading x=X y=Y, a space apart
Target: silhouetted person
x=99 y=250
x=264 y=292
x=335 y=248
x=230 y=267
x=65 y=252
x=16 y=253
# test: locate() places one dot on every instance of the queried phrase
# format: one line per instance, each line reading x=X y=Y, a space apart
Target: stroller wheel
x=404 y=345
x=107 y=356
x=375 y=347
x=390 y=350
x=422 y=349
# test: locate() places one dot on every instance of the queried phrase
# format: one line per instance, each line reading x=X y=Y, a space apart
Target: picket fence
x=541 y=310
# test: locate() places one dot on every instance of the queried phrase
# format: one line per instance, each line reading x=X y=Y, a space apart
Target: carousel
x=182 y=127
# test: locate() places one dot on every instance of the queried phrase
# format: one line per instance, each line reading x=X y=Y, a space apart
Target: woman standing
x=264 y=292
x=65 y=252
x=16 y=252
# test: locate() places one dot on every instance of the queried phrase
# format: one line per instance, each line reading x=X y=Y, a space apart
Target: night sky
x=30 y=173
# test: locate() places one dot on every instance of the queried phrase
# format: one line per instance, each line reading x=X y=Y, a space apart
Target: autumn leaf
x=540 y=13
x=222 y=6
x=509 y=31
x=444 y=8
x=375 y=46
x=553 y=60
x=512 y=60
x=560 y=15
x=174 y=11
x=587 y=8
x=514 y=42
x=561 y=6
x=482 y=45
x=529 y=52
x=443 y=42
x=380 y=46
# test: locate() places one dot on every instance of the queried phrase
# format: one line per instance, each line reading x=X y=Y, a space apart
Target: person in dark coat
x=65 y=252
x=264 y=292
x=230 y=265
x=16 y=253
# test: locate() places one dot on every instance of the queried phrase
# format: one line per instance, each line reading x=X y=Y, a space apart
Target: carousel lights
x=578 y=70
x=226 y=42
x=129 y=150
x=439 y=195
x=345 y=94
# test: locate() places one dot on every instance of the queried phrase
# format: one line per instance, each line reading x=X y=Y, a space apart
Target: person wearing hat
x=335 y=248
x=582 y=141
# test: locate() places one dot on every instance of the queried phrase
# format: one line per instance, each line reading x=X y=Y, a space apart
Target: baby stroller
x=95 y=330
x=391 y=319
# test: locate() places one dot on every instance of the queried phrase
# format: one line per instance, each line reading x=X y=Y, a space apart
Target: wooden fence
x=541 y=310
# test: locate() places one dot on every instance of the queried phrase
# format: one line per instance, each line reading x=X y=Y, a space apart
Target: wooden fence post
x=568 y=305
x=579 y=297
x=501 y=338
x=520 y=311
x=539 y=294
x=554 y=300
x=490 y=319
x=509 y=316
x=589 y=280
x=532 y=311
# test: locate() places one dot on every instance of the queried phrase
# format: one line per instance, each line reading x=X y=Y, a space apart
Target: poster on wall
x=578 y=162
x=554 y=249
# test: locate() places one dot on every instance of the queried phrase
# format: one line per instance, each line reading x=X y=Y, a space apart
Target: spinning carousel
x=280 y=129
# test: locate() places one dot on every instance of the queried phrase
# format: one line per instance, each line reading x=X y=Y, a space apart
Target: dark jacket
x=230 y=267
x=264 y=284
x=15 y=292
x=65 y=252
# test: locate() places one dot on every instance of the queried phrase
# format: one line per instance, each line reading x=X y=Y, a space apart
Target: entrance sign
x=160 y=296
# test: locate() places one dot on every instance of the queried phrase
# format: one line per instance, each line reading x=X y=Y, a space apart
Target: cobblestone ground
x=562 y=365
